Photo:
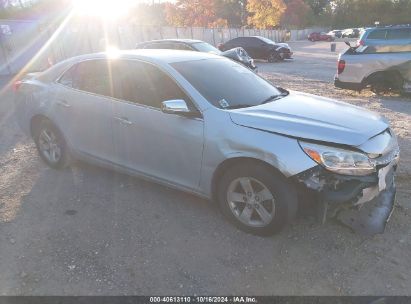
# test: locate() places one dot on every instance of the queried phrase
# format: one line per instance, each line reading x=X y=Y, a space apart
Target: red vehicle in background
x=320 y=37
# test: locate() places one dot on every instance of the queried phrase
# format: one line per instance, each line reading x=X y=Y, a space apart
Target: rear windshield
x=226 y=84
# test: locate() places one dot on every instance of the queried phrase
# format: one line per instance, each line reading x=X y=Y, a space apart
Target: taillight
x=341 y=66
x=361 y=42
x=16 y=85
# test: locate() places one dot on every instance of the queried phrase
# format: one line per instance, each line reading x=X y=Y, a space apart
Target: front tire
x=273 y=57
x=256 y=199
x=51 y=145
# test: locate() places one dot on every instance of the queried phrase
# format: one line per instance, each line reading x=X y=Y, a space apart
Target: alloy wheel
x=49 y=146
x=251 y=202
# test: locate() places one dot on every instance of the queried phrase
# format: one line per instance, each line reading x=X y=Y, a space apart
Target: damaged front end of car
x=362 y=200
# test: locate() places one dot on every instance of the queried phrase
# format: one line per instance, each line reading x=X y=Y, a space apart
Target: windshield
x=206 y=48
x=266 y=40
x=226 y=84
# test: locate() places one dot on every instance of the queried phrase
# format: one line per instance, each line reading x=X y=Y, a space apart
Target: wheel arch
x=234 y=161
x=35 y=122
x=382 y=75
x=38 y=118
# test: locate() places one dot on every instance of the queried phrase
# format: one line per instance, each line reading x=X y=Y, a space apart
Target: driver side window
x=145 y=84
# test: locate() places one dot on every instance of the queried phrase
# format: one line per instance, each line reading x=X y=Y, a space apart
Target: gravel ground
x=90 y=231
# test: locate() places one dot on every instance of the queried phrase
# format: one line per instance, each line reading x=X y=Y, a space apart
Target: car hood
x=312 y=117
x=281 y=44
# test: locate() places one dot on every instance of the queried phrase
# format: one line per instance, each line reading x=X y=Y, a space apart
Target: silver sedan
x=205 y=124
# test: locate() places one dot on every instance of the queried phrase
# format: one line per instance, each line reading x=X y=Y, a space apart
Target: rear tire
x=256 y=199
x=51 y=144
x=382 y=82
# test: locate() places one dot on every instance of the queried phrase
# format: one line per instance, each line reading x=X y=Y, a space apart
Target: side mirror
x=176 y=106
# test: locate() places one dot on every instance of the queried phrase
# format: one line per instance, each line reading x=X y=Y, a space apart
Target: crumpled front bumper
x=373 y=215
x=286 y=55
x=362 y=203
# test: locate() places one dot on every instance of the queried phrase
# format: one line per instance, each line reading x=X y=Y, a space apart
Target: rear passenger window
x=399 y=34
x=240 y=41
x=377 y=34
x=161 y=46
x=182 y=46
x=252 y=41
x=67 y=78
x=92 y=76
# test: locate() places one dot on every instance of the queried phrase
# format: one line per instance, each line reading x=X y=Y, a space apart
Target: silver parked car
x=205 y=124
x=380 y=67
x=389 y=35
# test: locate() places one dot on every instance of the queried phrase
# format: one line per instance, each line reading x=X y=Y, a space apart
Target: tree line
x=264 y=14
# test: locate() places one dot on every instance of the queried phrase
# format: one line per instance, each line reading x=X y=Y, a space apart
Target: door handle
x=63 y=103
x=123 y=120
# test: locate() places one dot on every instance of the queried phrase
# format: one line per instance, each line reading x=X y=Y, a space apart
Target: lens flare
x=103 y=8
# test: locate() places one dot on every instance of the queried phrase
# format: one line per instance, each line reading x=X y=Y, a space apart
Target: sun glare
x=102 y=8
x=112 y=52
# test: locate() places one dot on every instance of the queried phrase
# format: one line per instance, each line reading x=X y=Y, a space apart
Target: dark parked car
x=236 y=54
x=320 y=37
x=260 y=48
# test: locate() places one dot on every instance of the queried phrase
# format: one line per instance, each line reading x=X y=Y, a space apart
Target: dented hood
x=312 y=117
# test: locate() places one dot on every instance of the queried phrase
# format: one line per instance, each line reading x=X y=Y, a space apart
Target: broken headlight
x=339 y=160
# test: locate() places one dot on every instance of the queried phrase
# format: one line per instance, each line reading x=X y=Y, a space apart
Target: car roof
x=188 y=41
x=259 y=37
x=388 y=27
x=156 y=55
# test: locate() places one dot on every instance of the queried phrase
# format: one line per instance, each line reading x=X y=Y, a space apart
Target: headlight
x=339 y=160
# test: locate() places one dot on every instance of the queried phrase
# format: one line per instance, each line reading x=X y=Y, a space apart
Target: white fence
x=21 y=41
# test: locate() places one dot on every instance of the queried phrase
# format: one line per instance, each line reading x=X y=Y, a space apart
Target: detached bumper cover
x=362 y=203
x=372 y=218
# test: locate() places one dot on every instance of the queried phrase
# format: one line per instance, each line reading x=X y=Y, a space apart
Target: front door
x=165 y=146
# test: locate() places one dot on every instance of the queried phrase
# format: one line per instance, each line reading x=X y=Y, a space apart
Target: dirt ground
x=90 y=231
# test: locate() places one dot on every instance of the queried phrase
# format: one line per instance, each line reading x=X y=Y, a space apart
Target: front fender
x=229 y=141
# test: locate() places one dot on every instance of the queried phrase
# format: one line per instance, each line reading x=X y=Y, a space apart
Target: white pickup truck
x=381 y=68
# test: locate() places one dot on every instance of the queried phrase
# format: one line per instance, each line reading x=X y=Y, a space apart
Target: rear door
x=165 y=146
x=84 y=108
